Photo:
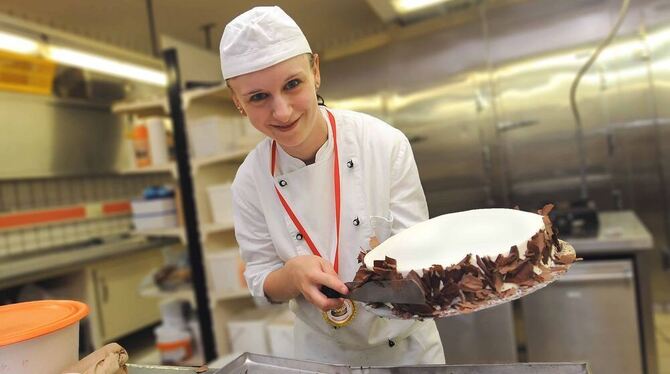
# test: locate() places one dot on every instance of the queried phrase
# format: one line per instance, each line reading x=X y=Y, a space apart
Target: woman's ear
x=316 y=71
x=236 y=101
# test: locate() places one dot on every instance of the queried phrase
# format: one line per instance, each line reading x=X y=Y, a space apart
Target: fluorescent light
x=107 y=66
x=406 y=6
x=17 y=44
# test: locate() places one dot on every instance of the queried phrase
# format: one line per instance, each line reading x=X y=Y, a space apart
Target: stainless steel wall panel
x=43 y=137
x=442 y=111
x=658 y=43
x=487 y=107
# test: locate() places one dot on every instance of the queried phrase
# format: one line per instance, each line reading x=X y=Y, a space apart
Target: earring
x=241 y=111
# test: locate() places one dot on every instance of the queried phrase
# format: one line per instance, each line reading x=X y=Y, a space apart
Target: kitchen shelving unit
x=200 y=233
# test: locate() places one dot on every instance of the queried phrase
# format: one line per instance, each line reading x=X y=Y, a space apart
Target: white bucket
x=173 y=343
x=40 y=336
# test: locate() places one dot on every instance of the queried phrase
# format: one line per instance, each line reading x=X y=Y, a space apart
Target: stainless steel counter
x=619 y=232
x=622 y=238
x=253 y=363
x=22 y=269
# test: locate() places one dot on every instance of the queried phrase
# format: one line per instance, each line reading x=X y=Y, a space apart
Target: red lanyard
x=336 y=182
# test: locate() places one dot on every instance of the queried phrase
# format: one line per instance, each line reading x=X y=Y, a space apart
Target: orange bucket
x=40 y=336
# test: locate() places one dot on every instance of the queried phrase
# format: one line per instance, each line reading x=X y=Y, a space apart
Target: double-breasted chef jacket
x=381 y=195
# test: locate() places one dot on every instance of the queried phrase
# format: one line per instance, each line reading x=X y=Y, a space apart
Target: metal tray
x=249 y=363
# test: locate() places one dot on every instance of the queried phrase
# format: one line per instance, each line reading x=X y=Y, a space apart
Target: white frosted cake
x=469 y=260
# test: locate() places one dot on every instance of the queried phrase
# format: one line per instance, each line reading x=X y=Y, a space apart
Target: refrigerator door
x=588 y=315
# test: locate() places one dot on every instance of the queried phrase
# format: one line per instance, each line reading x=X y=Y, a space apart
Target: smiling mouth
x=288 y=127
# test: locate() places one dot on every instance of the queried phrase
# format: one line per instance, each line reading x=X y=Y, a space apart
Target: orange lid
x=23 y=321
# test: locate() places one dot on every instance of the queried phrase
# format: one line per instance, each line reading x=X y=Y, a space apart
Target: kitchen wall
x=64 y=150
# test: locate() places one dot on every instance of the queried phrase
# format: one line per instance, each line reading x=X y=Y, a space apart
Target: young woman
x=321 y=187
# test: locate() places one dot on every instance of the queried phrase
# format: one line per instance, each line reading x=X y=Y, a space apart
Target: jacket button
x=282 y=183
x=356 y=221
x=350 y=164
x=298 y=236
x=391 y=343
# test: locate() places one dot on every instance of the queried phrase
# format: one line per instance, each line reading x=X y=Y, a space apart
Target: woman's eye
x=292 y=84
x=258 y=97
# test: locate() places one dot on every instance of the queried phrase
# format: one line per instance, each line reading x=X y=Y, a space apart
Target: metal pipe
x=152 y=28
x=584 y=192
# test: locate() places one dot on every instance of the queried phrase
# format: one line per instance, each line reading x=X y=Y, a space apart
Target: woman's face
x=280 y=101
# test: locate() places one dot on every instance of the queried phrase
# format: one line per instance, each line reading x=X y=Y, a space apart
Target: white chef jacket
x=380 y=196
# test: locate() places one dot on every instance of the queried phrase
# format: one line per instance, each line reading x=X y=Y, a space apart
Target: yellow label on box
x=23 y=73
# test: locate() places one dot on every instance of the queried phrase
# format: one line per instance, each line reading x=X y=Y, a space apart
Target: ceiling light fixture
x=407 y=6
x=18 y=44
x=67 y=56
x=106 y=65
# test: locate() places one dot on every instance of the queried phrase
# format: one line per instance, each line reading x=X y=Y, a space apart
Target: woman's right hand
x=308 y=273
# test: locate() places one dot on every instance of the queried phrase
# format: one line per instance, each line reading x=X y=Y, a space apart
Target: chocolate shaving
x=470 y=283
x=565 y=257
x=361 y=256
x=362 y=275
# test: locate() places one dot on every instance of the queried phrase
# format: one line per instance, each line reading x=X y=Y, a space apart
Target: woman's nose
x=281 y=109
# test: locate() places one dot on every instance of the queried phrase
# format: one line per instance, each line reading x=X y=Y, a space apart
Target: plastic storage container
x=40 y=336
x=158 y=144
x=247 y=332
x=221 y=203
x=226 y=270
x=173 y=343
x=213 y=135
x=280 y=335
x=173 y=338
x=154 y=214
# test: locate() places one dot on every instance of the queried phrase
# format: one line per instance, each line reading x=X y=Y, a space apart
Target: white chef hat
x=259 y=38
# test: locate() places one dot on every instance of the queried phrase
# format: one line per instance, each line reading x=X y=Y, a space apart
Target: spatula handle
x=330 y=293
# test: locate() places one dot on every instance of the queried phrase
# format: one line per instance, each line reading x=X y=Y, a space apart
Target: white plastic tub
x=221 y=203
x=247 y=331
x=213 y=135
x=227 y=270
x=40 y=336
x=154 y=214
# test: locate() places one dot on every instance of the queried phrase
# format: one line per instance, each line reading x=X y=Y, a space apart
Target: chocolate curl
x=435 y=279
x=565 y=257
x=551 y=232
x=361 y=256
x=544 y=276
x=513 y=257
x=362 y=275
x=511 y=268
x=534 y=248
x=414 y=276
x=523 y=275
x=470 y=283
x=497 y=282
x=448 y=293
